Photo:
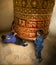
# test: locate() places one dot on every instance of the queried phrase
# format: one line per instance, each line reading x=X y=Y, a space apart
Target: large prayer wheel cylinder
x=32 y=15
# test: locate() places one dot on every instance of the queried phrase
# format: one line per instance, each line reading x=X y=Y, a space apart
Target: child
x=8 y=38
x=39 y=44
x=13 y=38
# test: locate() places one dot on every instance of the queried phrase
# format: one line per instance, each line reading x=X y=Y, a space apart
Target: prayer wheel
x=32 y=15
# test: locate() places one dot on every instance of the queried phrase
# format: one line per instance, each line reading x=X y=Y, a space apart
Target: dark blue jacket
x=12 y=38
x=39 y=41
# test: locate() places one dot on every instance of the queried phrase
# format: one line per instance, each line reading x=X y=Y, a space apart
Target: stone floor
x=12 y=54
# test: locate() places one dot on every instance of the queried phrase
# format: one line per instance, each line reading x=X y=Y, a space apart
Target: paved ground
x=12 y=54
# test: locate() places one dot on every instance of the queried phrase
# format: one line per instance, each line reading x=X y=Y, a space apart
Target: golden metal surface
x=28 y=11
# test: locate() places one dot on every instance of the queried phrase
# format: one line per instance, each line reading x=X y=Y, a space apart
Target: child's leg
x=20 y=41
x=38 y=53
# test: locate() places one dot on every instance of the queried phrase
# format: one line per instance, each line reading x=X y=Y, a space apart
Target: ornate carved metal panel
x=31 y=15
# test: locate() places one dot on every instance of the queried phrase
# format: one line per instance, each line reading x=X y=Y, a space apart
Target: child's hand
x=15 y=34
x=8 y=37
x=34 y=39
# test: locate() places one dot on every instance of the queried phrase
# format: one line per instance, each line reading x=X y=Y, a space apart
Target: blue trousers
x=19 y=41
x=38 y=52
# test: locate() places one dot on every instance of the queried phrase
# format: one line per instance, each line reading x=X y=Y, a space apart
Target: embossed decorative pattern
x=31 y=15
